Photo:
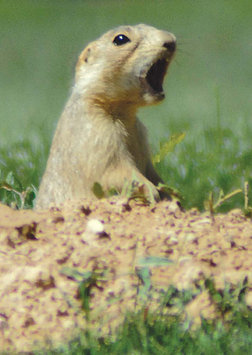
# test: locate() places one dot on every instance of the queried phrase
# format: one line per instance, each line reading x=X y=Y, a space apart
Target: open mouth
x=155 y=75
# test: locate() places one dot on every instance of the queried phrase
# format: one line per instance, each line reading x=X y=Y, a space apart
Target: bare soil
x=40 y=252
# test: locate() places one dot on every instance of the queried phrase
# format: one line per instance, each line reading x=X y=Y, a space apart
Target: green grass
x=208 y=86
x=166 y=336
x=147 y=333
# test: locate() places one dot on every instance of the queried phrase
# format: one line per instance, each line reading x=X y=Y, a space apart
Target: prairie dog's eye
x=120 y=39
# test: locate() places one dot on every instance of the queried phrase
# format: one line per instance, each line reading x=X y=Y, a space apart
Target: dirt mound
x=45 y=255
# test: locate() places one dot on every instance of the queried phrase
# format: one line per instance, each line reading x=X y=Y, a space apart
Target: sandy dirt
x=44 y=255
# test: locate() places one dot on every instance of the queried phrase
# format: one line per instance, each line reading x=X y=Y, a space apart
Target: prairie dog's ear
x=87 y=55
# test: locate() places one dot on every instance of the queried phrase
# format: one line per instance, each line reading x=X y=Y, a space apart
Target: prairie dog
x=98 y=137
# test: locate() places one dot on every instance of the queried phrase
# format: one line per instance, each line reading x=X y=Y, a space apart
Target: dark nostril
x=171 y=46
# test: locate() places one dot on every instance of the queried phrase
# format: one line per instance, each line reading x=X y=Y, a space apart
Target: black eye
x=120 y=39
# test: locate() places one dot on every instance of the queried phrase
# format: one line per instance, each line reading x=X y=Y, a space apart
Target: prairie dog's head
x=127 y=65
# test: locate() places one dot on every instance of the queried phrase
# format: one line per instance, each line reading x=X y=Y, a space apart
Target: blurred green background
x=208 y=86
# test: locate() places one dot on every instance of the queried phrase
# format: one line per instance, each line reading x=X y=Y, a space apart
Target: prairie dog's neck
x=101 y=108
x=118 y=111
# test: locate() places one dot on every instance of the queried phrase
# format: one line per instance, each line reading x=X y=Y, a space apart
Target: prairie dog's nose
x=170 y=45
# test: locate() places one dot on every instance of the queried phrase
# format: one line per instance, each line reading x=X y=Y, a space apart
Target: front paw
x=137 y=189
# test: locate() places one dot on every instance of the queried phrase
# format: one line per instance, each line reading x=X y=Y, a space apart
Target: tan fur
x=98 y=137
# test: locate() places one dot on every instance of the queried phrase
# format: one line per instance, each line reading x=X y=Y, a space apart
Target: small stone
x=95 y=226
